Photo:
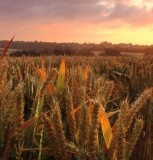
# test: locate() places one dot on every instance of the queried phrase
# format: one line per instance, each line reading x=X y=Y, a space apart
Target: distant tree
x=58 y=51
x=46 y=52
x=24 y=53
x=111 y=52
x=69 y=51
x=84 y=52
x=149 y=53
x=63 y=51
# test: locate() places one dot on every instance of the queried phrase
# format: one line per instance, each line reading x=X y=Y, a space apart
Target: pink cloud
x=67 y=20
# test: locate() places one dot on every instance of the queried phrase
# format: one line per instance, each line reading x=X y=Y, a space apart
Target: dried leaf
x=42 y=73
x=6 y=48
x=112 y=113
x=85 y=72
x=28 y=123
x=61 y=77
x=50 y=88
x=37 y=70
x=75 y=110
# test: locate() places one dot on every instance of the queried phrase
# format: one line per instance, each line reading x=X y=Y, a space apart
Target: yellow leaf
x=105 y=125
x=85 y=72
x=66 y=73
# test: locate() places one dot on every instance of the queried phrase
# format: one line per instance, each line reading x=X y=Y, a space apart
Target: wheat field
x=76 y=108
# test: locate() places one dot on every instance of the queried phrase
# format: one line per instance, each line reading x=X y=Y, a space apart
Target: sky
x=94 y=21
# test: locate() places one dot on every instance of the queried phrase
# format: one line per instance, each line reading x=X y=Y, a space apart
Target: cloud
x=48 y=9
x=107 y=12
x=131 y=15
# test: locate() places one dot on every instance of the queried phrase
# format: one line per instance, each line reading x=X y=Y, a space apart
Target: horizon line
x=79 y=42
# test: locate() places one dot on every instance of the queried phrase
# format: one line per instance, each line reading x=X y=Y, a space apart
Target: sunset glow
x=116 y=21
